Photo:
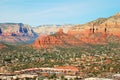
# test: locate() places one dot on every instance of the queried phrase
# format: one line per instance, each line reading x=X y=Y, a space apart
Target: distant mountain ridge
x=16 y=32
x=20 y=33
x=51 y=29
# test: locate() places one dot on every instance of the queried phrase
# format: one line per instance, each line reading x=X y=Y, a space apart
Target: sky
x=41 y=12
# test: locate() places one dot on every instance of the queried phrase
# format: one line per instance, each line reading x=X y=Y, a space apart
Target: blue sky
x=39 y=12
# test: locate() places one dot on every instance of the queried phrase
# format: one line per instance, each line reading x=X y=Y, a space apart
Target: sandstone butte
x=100 y=31
x=77 y=37
x=57 y=39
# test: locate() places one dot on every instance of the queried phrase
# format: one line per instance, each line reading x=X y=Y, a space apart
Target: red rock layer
x=91 y=35
x=72 y=68
x=48 y=41
x=58 y=39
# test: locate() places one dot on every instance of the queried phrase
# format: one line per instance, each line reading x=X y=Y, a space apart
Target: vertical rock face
x=100 y=31
x=58 y=39
x=75 y=38
x=0 y=31
x=48 y=41
x=72 y=38
x=16 y=32
x=90 y=35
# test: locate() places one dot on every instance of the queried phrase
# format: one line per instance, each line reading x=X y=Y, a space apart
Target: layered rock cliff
x=16 y=32
x=58 y=39
x=109 y=27
x=72 y=38
x=100 y=31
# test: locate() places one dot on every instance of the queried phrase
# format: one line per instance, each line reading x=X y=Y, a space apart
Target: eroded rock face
x=16 y=32
x=75 y=38
x=100 y=31
x=92 y=36
x=0 y=31
x=48 y=41
x=58 y=39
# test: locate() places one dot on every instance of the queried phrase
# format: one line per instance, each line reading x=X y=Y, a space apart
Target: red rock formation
x=16 y=32
x=90 y=35
x=58 y=39
x=100 y=31
x=75 y=38
x=0 y=31
x=48 y=41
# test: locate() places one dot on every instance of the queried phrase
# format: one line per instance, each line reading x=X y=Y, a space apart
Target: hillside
x=16 y=33
x=58 y=39
x=100 y=31
x=110 y=22
x=92 y=60
x=71 y=39
x=109 y=26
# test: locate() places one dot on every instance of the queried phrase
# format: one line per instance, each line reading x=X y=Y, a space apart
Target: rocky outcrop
x=96 y=35
x=100 y=31
x=16 y=32
x=106 y=27
x=58 y=39
x=0 y=31
x=72 y=38
x=91 y=36
x=48 y=41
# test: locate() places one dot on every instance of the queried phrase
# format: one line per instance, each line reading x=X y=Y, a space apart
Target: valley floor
x=91 y=60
